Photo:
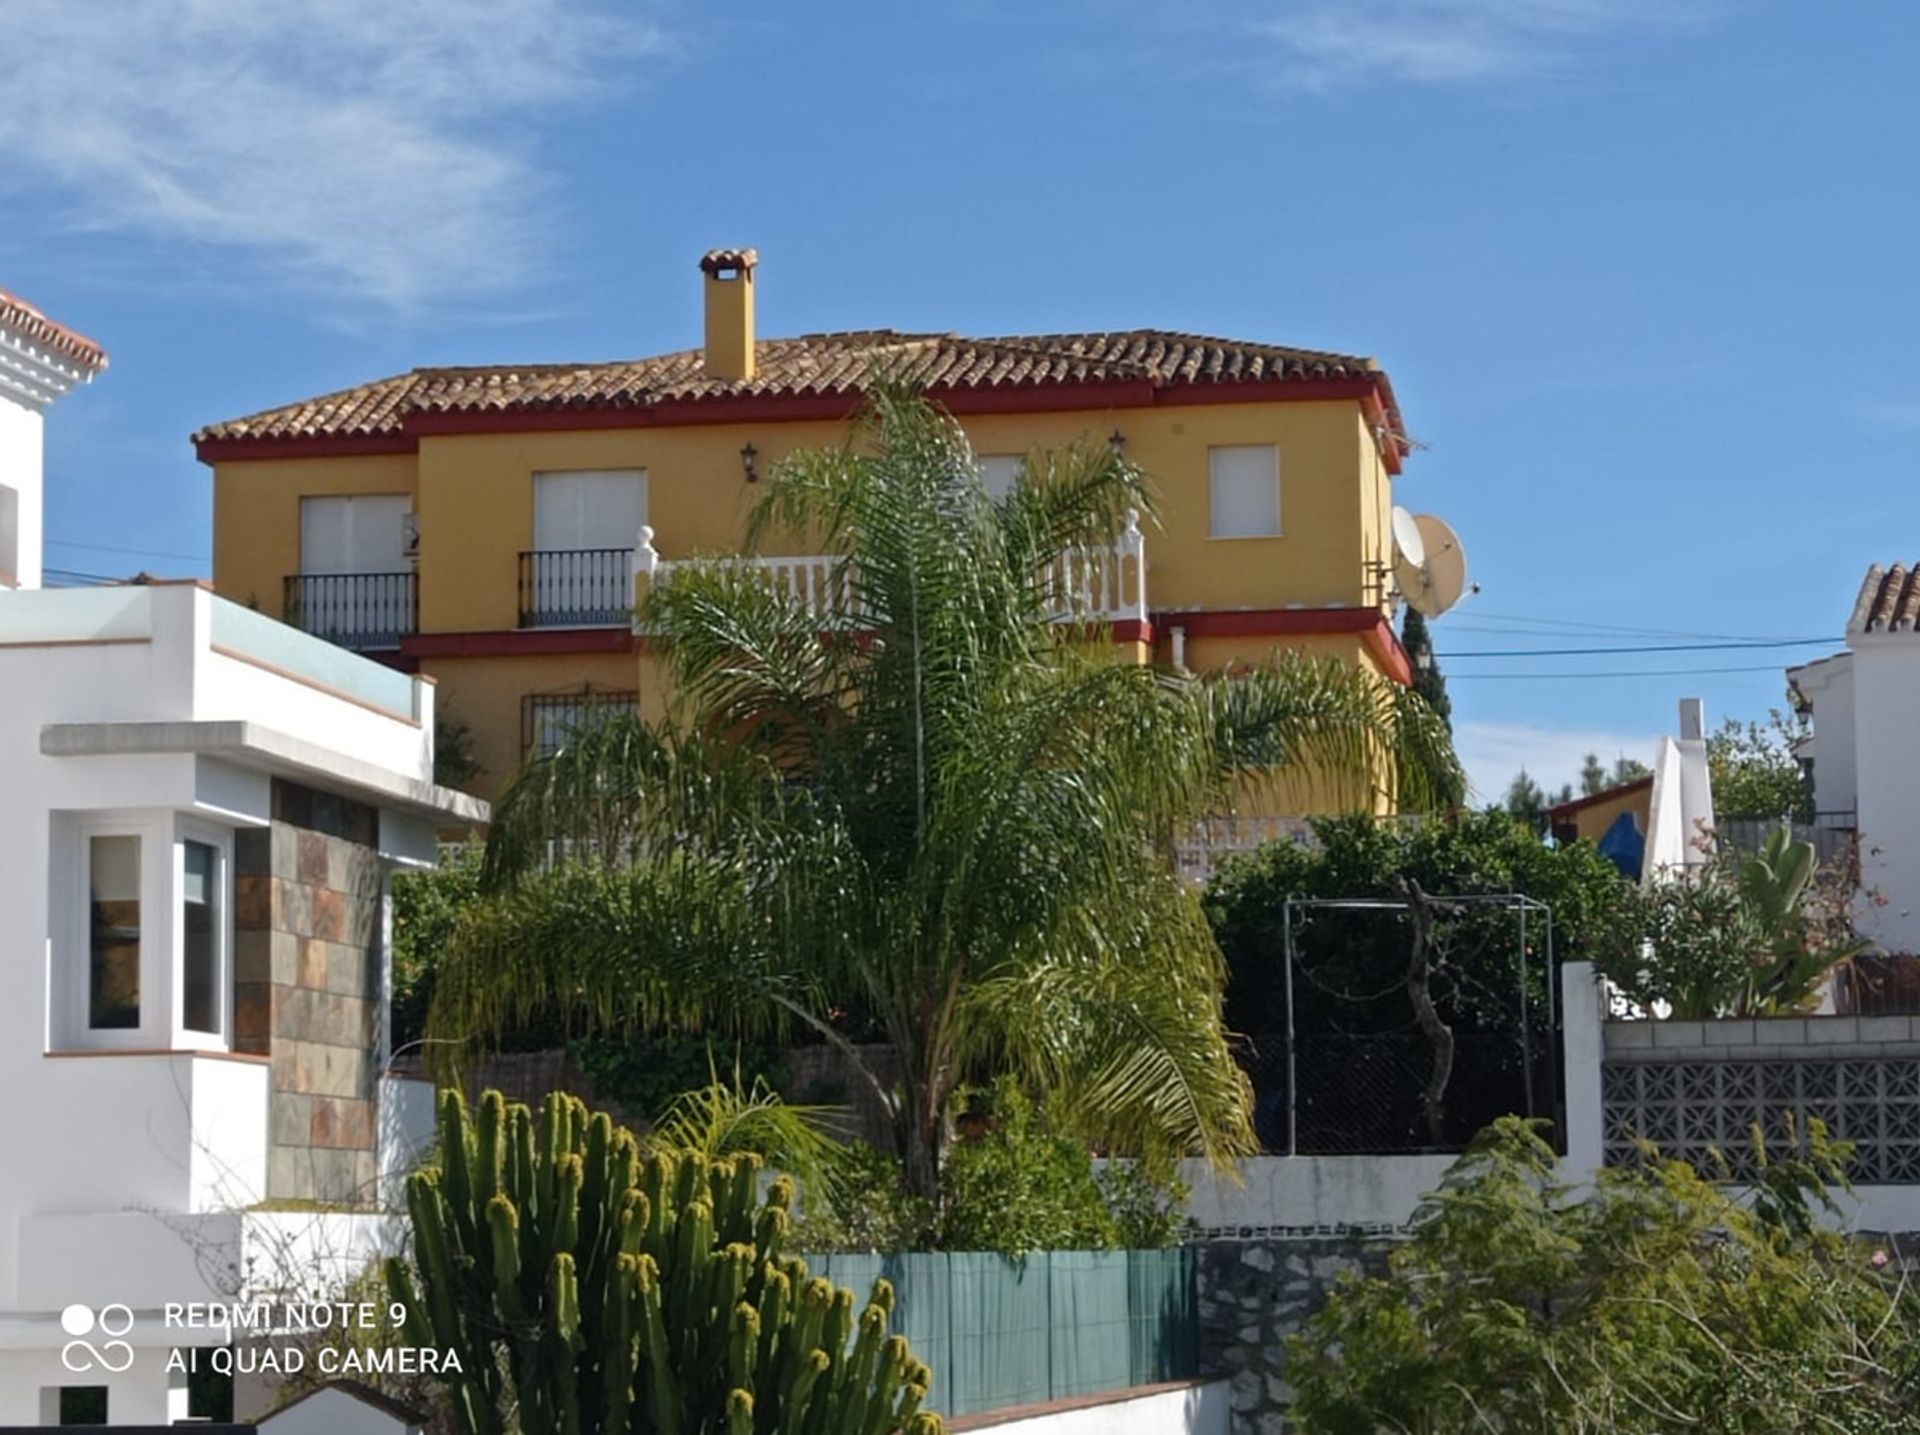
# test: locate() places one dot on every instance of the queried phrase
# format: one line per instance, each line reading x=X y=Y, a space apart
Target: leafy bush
x=1749 y=934
x=644 y=1075
x=1016 y=1183
x=426 y=909
x=1662 y=1303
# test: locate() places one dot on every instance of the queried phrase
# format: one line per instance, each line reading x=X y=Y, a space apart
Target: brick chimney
x=729 y=351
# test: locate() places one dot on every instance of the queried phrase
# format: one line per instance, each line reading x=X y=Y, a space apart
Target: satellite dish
x=1443 y=573
x=1409 y=551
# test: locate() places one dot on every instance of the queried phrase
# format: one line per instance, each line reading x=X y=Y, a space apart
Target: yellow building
x=485 y=525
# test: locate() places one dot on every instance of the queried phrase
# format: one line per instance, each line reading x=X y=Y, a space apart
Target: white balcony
x=1101 y=584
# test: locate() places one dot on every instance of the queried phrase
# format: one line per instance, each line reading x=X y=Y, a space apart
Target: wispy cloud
x=1334 y=43
x=378 y=149
x=1494 y=752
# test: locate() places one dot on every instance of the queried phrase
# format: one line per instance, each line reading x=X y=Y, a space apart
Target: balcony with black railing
x=576 y=588
x=363 y=611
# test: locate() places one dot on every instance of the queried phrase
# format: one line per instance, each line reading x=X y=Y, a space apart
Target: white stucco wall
x=21 y=446
x=334 y=1412
x=132 y=1166
x=1190 y=1410
x=1827 y=686
x=1886 y=691
x=1302 y=1192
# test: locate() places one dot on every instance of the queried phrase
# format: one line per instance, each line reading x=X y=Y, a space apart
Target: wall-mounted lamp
x=1117 y=441
x=750 y=462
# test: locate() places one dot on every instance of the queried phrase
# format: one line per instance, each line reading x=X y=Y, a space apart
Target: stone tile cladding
x=1253 y=1295
x=307 y=966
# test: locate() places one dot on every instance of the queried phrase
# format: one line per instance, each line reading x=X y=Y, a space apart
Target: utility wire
x=1610 y=673
x=1637 y=648
x=1476 y=611
x=135 y=552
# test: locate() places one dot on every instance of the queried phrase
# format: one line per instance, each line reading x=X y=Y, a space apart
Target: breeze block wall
x=307 y=967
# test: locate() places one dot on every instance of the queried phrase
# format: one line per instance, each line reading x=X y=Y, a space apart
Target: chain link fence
x=1348 y=1068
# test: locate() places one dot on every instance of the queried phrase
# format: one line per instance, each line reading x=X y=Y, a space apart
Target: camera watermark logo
x=110 y=1354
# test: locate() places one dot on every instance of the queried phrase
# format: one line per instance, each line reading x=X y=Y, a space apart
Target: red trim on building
x=1580 y=804
x=1132 y=630
x=519 y=642
x=1374 y=630
x=797 y=408
x=224 y=450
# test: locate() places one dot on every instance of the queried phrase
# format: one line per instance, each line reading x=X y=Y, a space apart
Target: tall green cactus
x=590 y=1290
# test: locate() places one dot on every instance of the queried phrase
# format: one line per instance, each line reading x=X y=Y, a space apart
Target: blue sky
x=1638 y=267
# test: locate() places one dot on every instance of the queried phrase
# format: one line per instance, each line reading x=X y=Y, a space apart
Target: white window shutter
x=1244 y=491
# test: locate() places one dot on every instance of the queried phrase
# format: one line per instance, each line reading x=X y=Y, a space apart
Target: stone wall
x=307 y=968
x=1253 y=1295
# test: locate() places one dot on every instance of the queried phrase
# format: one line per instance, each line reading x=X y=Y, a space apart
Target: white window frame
x=1213 y=482
x=590 y=542
x=73 y=934
x=220 y=839
x=350 y=505
x=163 y=971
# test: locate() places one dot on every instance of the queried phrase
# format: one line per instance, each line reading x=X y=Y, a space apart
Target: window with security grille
x=547 y=720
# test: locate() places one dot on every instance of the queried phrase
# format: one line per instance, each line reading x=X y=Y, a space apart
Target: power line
x=1642 y=648
x=1580 y=623
x=1611 y=673
x=135 y=552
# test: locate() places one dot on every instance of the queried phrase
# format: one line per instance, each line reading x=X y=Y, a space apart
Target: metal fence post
x=1293 y=1066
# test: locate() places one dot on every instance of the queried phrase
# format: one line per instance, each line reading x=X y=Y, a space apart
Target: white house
x=39 y=362
x=1862 y=754
x=201 y=811
x=343 y=1407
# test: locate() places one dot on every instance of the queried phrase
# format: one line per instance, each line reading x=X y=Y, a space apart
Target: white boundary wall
x=1186 y=1410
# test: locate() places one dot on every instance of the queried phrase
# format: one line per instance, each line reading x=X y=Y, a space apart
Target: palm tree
x=946 y=814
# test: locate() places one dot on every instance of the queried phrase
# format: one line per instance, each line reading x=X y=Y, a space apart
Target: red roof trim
x=1372 y=626
x=792 y=408
x=1580 y=804
x=523 y=642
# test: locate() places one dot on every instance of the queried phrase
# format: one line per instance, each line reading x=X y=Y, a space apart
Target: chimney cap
x=719 y=261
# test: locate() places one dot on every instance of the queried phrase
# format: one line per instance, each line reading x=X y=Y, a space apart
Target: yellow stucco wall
x=1593 y=820
x=256 y=515
x=485 y=694
x=473 y=495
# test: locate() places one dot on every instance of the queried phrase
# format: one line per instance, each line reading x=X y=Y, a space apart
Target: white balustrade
x=1084 y=585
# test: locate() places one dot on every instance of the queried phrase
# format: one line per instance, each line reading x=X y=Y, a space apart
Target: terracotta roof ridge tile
x=1888 y=601
x=26 y=318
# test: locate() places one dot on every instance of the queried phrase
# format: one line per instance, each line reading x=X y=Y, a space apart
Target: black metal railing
x=355 y=610
x=547 y=719
x=576 y=588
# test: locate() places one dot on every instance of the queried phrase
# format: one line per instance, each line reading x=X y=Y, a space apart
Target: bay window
x=142 y=932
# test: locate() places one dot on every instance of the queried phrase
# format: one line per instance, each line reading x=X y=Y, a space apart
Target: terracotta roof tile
x=21 y=317
x=813 y=364
x=1889 y=601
